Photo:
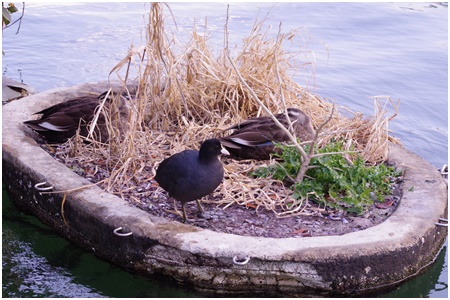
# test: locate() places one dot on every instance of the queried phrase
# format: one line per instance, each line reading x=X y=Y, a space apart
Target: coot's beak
x=224 y=151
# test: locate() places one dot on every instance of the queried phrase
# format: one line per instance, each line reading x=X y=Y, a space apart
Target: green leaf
x=12 y=8
x=6 y=16
x=333 y=181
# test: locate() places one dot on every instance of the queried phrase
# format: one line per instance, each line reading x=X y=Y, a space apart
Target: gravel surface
x=241 y=220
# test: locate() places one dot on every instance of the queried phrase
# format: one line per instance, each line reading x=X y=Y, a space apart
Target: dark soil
x=247 y=221
x=241 y=220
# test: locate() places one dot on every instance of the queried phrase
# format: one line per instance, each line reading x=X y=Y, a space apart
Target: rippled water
x=359 y=50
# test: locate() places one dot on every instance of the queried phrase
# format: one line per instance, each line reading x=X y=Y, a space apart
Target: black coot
x=191 y=174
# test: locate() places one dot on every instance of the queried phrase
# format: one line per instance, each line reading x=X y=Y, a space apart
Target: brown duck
x=61 y=121
x=254 y=138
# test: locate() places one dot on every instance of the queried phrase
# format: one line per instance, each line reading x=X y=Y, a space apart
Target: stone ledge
x=352 y=264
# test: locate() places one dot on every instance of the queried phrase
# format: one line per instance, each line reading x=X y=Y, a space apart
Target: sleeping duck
x=254 y=138
x=61 y=121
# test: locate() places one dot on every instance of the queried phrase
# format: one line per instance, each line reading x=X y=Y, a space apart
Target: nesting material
x=188 y=93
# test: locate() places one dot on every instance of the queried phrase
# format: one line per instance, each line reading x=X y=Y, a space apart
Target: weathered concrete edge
x=204 y=257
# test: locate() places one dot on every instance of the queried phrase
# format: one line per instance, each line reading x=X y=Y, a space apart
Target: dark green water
x=39 y=263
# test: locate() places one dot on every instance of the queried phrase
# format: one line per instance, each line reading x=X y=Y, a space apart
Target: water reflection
x=31 y=275
x=38 y=263
x=434 y=283
x=28 y=269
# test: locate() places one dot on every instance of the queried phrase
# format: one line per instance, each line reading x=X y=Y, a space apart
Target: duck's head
x=298 y=116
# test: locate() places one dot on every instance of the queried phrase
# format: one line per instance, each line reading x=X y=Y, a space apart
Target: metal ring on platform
x=441 y=224
x=241 y=263
x=444 y=171
x=38 y=186
x=116 y=232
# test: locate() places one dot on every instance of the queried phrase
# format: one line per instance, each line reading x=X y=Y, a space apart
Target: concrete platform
x=357 y=263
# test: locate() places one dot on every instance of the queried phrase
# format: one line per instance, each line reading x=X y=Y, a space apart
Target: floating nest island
x=256 y=236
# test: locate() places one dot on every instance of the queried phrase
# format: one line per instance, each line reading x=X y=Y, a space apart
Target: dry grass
x=187 y=93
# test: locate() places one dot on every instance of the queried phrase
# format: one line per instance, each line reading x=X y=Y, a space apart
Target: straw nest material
x=188 y=93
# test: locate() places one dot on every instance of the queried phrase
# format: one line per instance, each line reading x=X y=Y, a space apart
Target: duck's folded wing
x=257 y=135
x=56 y=122
x=250 y=123
x=65 y=119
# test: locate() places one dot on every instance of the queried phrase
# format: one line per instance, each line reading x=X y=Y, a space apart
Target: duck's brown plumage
x=61 y=121
x=254 y=138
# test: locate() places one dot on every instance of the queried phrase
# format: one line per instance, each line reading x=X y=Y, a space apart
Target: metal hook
x=38 y=187
x=116 y=232
x=444 y=171
x=440 y=224
x=241 y=263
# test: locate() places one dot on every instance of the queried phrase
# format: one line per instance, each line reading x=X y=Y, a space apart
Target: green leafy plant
x=331 y=179
x=6 y=13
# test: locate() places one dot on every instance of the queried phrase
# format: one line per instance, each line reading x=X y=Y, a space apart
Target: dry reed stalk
x=186 y=94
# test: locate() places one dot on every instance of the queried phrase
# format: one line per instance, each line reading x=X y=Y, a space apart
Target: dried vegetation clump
x=188 y=93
